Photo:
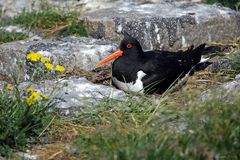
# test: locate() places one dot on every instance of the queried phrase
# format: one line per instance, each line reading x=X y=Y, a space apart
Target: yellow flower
x=9 y=87
x=45 y=60
x=49 y=66
x=30 y=89
x=32 y=98
x=60 y=68
x=34 y=56
x=44 y=96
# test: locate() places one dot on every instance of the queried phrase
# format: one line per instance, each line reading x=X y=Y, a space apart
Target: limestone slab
x=165 y=25
x=71 y=52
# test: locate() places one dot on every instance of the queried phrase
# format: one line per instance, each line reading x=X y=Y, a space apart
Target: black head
x=129 y=44
x=129 y=48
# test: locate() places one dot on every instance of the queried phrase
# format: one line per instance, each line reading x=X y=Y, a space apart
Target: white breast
x=131 y=86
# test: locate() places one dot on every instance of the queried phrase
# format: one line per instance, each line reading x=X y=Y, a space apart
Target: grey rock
x=27 y=156
x=237 y=77
x=12 y=28
x=93 y=5
x=74 y=93
x=165 y=25
x=10 y=8
x=12 y=58
x=227 y=91
x=73 y=53
x=219 y=65
x=226 y=62
x=72 y=149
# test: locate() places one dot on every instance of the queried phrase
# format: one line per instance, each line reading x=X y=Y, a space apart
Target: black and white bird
x=151 y=71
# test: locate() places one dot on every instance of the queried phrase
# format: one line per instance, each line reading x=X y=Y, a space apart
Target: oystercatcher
x=151 y=71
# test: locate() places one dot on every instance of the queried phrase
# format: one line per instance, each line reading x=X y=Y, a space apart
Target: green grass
x=234 y=4
x=174 y=126
x=234 y=57
x=24 y=111
x=146 y=129
x=11 y=36
x=20 y=121
x=50 y=21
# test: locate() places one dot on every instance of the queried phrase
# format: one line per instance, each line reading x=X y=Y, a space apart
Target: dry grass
x=100 y=76
x=67 y=131
x=56 y=151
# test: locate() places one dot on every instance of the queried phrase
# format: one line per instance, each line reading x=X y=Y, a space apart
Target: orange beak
x=114 y=55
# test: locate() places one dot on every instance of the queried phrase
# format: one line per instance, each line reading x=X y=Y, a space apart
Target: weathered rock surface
x=26 y=155
x=237 y=78
x=148 y=20
x=226 y=62
x=165 y=25
x=73 y=53
x=219 y=65
x=227 y=90
x=10 y=53
x=73 y=93
x=13 y=29
x=11 y=8
x=93 y=5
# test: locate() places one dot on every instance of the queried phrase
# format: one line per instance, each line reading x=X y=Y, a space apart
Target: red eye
x=129 y=45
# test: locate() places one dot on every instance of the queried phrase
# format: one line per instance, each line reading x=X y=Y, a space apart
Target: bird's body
x=151 y=71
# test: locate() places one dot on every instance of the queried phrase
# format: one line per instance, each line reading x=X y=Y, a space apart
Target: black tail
x=212 y=49
x=195 y=55
x=202 y=50
x=198 y=52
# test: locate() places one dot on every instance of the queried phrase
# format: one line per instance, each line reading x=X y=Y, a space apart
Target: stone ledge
x=165 y=25
x=73 y=53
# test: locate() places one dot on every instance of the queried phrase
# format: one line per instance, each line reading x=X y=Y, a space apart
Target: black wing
x=166 y=67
